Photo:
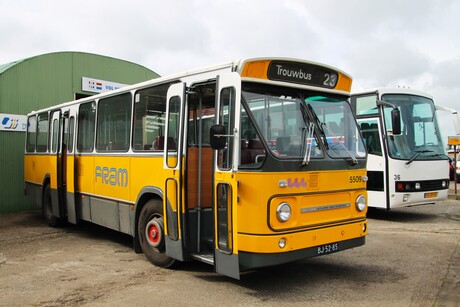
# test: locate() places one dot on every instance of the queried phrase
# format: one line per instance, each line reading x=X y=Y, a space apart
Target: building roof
x=4 y=67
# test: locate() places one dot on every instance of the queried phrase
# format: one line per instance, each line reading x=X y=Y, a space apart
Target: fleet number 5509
x=355 y=179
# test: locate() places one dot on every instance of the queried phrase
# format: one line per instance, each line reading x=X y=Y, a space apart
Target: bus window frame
x=43 y=148
x=112 y=123
x=31 y=148
x=79 y=127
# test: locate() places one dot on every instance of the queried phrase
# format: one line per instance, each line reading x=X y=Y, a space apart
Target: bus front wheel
x=151 y=234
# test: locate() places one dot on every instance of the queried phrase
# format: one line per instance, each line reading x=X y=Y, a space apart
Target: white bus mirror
x=455 y=115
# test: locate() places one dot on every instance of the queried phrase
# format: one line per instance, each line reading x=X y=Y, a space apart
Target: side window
x=370 y=131
x=113 y=123
x=31 y=133
x=227 y=106
x=86 y=120
x=366 y=105
x=201 y=114
x=42 y=132
x=71 y=134
x=55 y=130
x=252 y=151
x=149 y=118
x=173 y=128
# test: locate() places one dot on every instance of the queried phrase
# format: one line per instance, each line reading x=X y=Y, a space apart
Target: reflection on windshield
x=420 y=137
x=300 y=125
x=282 y=121
x=338 y=127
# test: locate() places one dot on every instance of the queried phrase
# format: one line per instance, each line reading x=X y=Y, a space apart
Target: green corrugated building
x=42 y=81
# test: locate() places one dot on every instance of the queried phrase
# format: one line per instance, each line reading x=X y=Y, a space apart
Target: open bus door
x=56 y=175
x=172 y=156
x=225 y=185
x=68 y=163
x=377 y=170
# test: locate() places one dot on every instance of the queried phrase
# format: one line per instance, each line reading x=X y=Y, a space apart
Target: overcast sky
x=412 y=43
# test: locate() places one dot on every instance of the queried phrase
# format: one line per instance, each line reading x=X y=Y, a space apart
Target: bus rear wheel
x=47 y=209
x=151 y=234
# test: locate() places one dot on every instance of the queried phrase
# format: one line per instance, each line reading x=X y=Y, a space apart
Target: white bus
x=406 y=167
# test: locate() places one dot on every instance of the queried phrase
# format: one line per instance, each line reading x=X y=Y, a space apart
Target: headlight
x=361 y=203
x=283 y=212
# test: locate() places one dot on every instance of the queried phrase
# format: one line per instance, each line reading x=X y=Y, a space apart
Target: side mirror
x=396 y=121
x=217 y=137
x=395 y=116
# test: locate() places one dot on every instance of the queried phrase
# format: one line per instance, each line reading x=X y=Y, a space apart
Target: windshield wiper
x=415 y=156
x=439 y=155
x=320 y=126
x=308 y=147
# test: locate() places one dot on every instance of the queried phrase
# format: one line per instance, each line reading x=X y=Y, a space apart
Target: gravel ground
x=411 y=258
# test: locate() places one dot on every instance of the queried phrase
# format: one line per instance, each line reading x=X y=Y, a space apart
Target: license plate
x=431 y=195
x=327 y=248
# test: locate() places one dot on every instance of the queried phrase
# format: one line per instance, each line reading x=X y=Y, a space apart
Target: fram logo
x=112 y=176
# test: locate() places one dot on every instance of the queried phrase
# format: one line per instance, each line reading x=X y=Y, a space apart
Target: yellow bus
x=252 y=163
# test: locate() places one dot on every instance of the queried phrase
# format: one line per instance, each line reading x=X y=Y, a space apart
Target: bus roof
x=249 y=69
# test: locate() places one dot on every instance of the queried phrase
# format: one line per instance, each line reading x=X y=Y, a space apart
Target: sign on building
x=13 y=122
x=99 y=86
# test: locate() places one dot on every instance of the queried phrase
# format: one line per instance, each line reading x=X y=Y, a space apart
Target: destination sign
x=302 y=73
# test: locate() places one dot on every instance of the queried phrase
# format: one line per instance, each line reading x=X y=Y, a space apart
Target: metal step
x=204 y=257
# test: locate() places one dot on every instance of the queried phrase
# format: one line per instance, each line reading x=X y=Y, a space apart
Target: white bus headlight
x=283 y=212
x=361 y=203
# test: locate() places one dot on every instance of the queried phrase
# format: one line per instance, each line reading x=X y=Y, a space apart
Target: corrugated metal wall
x=12 y=173
x=39 y=82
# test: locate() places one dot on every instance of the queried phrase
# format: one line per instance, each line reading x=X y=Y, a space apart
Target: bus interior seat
x=159 y=143
x=256 y=148
x=245 y=154
x=282 y=143
x=251 y=150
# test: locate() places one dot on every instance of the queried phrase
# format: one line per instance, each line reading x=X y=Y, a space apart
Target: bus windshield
x=420 y=137
x=337 y=126
x=298 y=124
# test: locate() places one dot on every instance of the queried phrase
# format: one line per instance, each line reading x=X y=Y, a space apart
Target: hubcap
x=154 y=232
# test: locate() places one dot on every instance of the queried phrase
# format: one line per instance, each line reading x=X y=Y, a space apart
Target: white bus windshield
x=420 y=137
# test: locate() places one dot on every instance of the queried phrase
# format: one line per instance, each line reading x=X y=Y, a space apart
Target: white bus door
x=376 y=162
x=172 y=156
x=68 y=156
x=225 y=192
x=56 y=175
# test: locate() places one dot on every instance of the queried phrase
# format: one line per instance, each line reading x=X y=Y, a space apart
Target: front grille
x=425 y=185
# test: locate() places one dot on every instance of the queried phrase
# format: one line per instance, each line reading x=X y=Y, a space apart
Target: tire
x=151 y=234
x=47 y=209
